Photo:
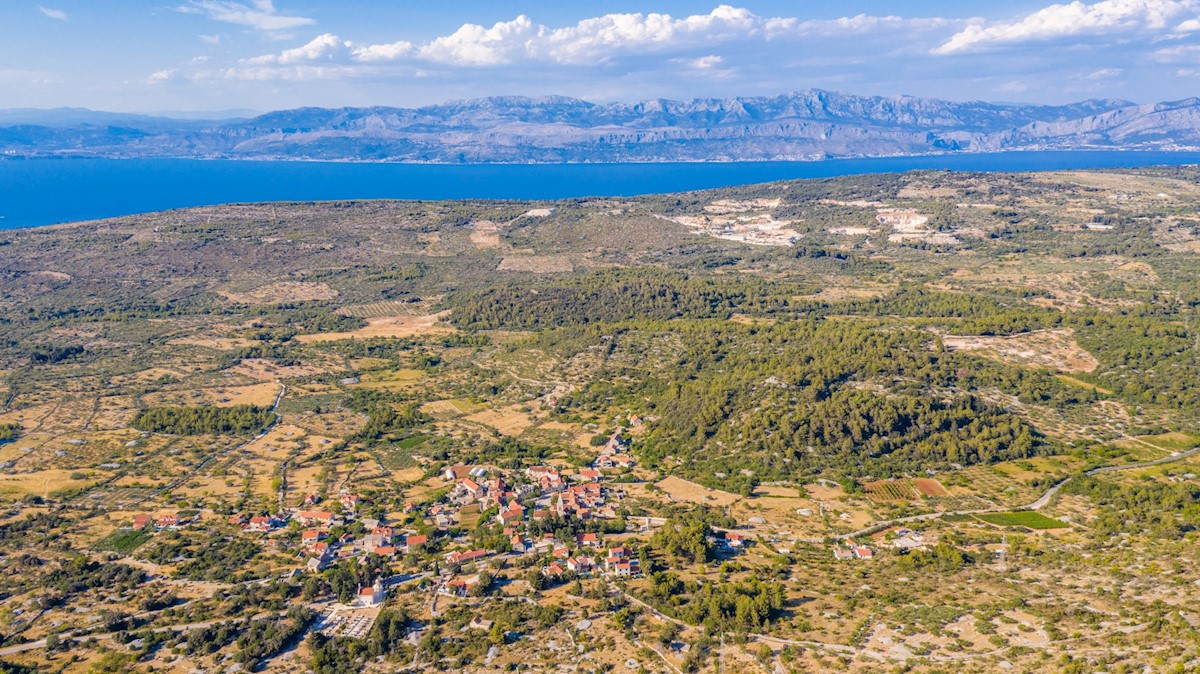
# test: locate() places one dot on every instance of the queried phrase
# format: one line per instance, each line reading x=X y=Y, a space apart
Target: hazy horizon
x=192 y=56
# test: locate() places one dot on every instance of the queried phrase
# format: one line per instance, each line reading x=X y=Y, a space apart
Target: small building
x=369 y=597
x=260 y=523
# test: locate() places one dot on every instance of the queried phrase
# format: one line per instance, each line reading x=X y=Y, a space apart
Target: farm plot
x=892 y=491
x=1025 y=518
x=387 y=308
x=930 y=488
x=991 y=482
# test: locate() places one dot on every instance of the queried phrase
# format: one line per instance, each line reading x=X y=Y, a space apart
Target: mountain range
x=805 y=125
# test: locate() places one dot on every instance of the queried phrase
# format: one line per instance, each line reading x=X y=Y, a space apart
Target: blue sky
x=151 y=55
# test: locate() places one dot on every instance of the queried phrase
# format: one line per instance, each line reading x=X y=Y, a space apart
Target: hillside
x=911 y=421
x=805 y=125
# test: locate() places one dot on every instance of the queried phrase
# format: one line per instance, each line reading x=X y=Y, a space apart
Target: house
x=469 y=488
x=320 y=561
x=350 y=501
x=562 y=552
x=371 y=596
x=311 y=499
x=588 y=540
x=863 y=552
x=378 y=536
x=141 y=521
x=480 y=623
x=315 y=517
x=552 y=482
x=621 y=552
x=843 y=553
x=459 y=587
x=630 y=569
x=515 y=513
x=260 y=523
x=907 y=539
x=311 y=537
x=588 y=475
x=237 y=520
x=167 y=521
x=555 y=570
x=415 y=541
x=387 y=551
x=734 y=540
x=464 y=556
x=517 y=544
x=580 y=565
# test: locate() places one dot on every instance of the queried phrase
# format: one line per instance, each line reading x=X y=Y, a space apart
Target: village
x=562 y=524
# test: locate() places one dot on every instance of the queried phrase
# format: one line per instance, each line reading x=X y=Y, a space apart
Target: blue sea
x=45 y=191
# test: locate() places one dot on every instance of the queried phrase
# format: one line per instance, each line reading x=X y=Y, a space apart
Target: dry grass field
x=387 y=326
x=679 y=489
x=1052 y=349
x=262 y=395
x=509 y=420
x=281 y=292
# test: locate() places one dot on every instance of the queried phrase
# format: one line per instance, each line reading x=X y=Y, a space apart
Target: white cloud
x=1013 y=87
x=604 y=37
x=384 y=52
x=859 y=24
x=1179 y=54
x=210 y=39
x=162 y=76
x=1103 y=74
x=589 y=42
x=56 y=14
x=330 y=48
x=474 y=45
x=1070 y=20
x=260 y=15
x=702 y=63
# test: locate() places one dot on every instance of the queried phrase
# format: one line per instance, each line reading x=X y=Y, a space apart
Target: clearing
x=1052 y=349
x=387 y=326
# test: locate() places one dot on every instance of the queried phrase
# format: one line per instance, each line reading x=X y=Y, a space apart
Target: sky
x=259 y=55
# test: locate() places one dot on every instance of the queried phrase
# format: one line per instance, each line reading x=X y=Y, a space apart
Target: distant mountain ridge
x=812 y=124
